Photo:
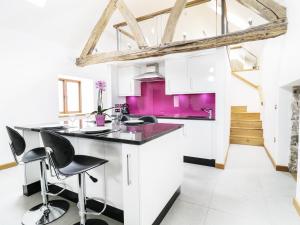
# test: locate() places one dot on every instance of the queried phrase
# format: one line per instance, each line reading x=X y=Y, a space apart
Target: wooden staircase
x=246 y=127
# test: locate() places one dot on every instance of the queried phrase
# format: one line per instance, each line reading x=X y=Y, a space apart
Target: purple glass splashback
x=154 y=101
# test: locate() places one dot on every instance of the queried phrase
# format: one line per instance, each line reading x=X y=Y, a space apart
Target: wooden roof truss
x=268 y=9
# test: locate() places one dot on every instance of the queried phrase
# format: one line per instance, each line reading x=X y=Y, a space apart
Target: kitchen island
x=144 y=173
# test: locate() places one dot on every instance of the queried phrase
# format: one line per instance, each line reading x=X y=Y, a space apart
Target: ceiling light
x=152 y=30
x=250 y=22
x=211 y=78
x=39 y=3
x=184 y=35
x=211 y=69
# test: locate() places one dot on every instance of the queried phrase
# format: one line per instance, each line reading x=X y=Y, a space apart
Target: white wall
x=284 y=114
x=276 y=113
x=290 y=69
x=270 y=66
x=223 y=76
x=290 y=66
x=242 y=94
x=27 y=79
x=28 y=87
x=281 y=71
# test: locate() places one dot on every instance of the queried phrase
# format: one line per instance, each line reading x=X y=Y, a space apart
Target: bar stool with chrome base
x=62 y=158
x=149 y=119
x=48 y=211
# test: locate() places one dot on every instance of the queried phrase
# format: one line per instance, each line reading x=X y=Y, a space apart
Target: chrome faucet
x=209 y=111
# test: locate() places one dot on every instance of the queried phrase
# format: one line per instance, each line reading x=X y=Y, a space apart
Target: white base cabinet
x=199 y=137
x=141 y=179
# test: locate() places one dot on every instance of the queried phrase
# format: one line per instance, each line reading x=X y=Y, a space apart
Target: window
x=69 y=92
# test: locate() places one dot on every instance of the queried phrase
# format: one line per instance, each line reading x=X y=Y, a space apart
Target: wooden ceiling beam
x=268 y=9
x=172 y=21
x=132 y=23
x=269 y=30
x=161 y=12
x=98 y=29
x=127 y=34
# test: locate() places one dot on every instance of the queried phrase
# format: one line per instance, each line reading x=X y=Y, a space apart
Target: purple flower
x=101 y=85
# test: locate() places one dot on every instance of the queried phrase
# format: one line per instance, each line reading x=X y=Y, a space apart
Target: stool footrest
x=93 y=222
x=58 y=193
x=94 y=213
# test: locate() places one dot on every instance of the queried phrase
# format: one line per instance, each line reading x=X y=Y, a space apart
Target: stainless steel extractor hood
x=151 y=74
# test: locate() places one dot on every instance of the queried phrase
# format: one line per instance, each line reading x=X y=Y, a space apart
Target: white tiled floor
x=248 y=191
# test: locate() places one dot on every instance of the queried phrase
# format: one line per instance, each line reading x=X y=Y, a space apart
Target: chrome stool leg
x=82 y=204
x=48 y=211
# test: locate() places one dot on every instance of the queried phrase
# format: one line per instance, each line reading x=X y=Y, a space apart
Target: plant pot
x=100 y=120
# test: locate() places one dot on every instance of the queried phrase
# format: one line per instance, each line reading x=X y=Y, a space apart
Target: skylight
x=39 y=3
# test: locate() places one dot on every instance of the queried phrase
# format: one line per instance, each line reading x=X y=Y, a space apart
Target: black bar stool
x=125 y=118
x=48 y=211
x=149 y=119
x=62 y=158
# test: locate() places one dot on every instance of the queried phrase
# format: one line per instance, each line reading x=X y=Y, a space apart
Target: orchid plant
x=101 y=87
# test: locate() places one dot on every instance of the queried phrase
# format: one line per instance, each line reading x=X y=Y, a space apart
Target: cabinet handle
x=128 y=171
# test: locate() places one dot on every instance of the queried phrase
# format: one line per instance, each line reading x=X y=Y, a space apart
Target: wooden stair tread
x=242 y=136
x=246 y=128
x=246 y=113
x=239 y=120
x=242 y=140
x=237 y=109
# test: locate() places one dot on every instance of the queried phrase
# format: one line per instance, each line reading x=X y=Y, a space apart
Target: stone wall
x=295 y=130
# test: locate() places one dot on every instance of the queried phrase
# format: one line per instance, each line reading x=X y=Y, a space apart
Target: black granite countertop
x=136 y=135
x=175 y=116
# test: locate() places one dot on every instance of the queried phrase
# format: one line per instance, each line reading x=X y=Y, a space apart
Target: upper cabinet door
x=127 y=85
x=177 y=81
x=201 y=72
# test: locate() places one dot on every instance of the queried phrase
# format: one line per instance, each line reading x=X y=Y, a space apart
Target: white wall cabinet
x=177 y=81
x=199 y=137
x=201 y=72
x=190 y=75
x=126 y=83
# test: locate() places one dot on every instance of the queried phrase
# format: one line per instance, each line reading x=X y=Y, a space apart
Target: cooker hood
x=151 y=74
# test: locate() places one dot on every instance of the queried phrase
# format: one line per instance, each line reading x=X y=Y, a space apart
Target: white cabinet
x=131 y=184
x=127 y=85
x=177 y=81
x=201 y=72
x=191 y=75
x=199 y=136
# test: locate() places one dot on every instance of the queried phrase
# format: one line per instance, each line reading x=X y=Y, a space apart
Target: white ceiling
x=69 y=22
